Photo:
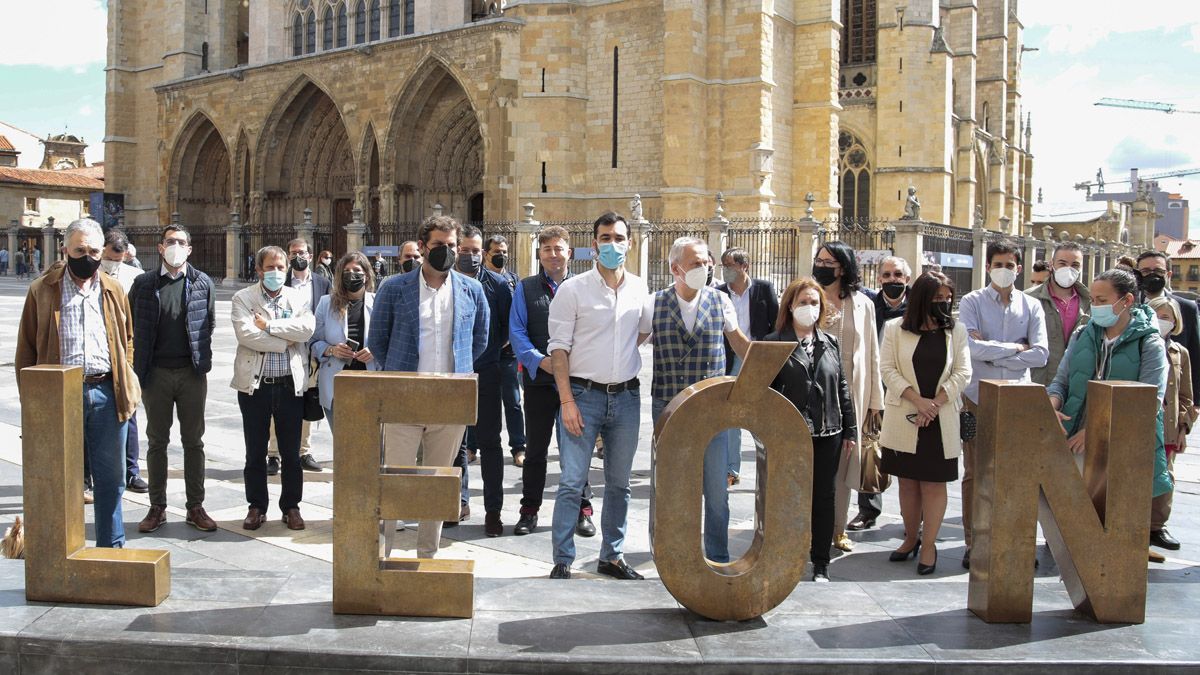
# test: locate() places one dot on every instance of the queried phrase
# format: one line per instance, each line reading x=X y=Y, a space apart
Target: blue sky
x=1088 y=49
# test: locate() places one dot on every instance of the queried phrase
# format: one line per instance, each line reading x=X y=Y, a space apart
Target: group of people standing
x=898 y=363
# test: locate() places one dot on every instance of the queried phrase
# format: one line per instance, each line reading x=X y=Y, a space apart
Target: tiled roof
x=94 y=171
x=5 y=145
x=65 y=179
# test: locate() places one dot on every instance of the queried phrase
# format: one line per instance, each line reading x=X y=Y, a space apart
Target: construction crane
x=1100 y=182
x=1155 y=106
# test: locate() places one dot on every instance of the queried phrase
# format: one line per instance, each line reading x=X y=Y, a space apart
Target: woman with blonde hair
x=343 y=320
x=1178 y=412
x=925 y=363
x=813 y=380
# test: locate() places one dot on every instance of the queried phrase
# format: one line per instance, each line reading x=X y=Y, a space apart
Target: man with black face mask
x=75 y=316
x=484 y=437
x=410 y=256
x=449 y=335
x=495 y=259
x=1154 y=276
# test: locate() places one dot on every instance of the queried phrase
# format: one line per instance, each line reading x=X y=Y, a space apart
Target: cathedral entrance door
x=341 y=217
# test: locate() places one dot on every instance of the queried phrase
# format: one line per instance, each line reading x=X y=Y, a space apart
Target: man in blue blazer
x=429 y=320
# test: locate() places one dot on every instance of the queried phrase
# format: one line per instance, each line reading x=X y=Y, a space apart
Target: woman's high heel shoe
x=925 y=570
x=901 y=556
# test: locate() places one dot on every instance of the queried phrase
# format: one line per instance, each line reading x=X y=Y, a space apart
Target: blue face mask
x=612 y=255
x=273 y=279
x=1104 y=316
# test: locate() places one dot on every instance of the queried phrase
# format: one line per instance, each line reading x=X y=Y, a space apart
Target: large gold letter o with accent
x=752 y=585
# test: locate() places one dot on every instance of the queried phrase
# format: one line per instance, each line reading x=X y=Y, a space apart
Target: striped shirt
x=276 y=363
x=82 y=335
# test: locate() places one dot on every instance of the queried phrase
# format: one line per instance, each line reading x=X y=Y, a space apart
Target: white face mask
x=110 y=267
x=1003 y=277
x=806 y=315
x=1066 y=277
x=175 y=255
x=1165 y=327
x=697 y=278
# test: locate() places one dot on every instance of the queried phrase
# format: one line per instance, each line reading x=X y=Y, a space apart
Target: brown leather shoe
x=292 y=519
x=255 y=517
x=198 y=518
x=154 y=519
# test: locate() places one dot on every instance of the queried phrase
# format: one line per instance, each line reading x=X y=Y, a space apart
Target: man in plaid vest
x=690 y=322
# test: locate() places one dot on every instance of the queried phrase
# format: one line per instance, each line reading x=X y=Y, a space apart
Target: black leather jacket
x=817 y=386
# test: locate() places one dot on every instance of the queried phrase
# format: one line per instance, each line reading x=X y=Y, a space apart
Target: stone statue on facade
x=979 y=215
x=635 y=208
x=912 y=206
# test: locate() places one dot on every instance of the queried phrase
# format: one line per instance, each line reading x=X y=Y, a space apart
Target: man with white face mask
x=1006 y=331
x=690 y=322
x=1066 y=304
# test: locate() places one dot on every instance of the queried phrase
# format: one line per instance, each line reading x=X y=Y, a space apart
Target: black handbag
x=966 y=425
x=313 y=412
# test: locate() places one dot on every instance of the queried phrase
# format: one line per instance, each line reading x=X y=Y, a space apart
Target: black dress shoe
x=584 y=526
x=967 y=560
x=820 y=573
x=617 y=569
x=561 y=571
x=309 y=464
x=492 y=526
x=1163 y=539
x=925 y=570
x=136 y=484
x=525 y=524
x=860 y=522
x=272 y=466
x=901 y=556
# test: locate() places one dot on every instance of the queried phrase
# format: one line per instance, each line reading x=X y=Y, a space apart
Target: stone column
x=909 y=244
x=387 y=204
x=524 y=249
x=1097 y=265
x=1030 y=253
x=356 y=230
x=14 y=231
x=49 y=247
x=979 y=252
x=814 y=72
x=233 y=249
x=806 y=248
x=718 y=230
x=306 y=229
x=638 y=258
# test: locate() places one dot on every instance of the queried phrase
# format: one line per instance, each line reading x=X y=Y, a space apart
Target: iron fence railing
x=773 y=245
x=939 y=239
x=659 y=238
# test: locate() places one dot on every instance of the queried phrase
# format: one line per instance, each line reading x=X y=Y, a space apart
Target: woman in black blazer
x=813 y=380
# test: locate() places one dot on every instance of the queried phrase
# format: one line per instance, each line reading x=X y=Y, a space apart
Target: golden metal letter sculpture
x=1097 y=529
x=364 y=493
x=765 y=576
x=58 y=568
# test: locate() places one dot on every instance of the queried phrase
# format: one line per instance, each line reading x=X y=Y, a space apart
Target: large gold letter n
x=1097 y=528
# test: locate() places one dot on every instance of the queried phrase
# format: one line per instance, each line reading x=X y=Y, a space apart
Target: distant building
x=1108 y=221
x=1171 y=207
x=1185 y=264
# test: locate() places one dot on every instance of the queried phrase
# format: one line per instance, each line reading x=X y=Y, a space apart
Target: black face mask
x=894 y=289
x=825 y=275
x=941 y=313
x=299 y=263
x=708 y=281
x=409 y=265
x=441 y=258
x=470 y=263
x=83 y=267
x=353 y=282
x=1152 y=283
x=499 y=261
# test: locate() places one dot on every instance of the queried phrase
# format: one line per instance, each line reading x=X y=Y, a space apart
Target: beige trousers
x=438 y=444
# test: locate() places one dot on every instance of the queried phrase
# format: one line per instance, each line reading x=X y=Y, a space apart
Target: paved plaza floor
x=258 y=602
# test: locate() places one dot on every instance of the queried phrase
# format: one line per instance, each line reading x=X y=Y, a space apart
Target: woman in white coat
x=853 y=324
x=926 y=364
x=343 y=320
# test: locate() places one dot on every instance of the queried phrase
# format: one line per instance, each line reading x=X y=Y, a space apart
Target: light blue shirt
x=996 y=334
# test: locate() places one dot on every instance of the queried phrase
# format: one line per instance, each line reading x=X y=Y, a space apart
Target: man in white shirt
x=594 y=322
x=690 y=349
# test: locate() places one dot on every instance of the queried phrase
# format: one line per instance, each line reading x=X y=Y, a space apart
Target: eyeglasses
x=175 y=242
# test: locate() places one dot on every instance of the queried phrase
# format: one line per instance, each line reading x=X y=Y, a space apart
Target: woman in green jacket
x=1121 y=342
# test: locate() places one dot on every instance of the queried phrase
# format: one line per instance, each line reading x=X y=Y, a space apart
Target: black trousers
x=278 y=403
x=541 y=417
x=485 y=437
x=827 y=451
x=870 y=504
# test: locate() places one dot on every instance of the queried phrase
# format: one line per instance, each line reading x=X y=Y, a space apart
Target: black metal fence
x=773 y=245
x=938 y=239
x=659 y=238
x=871 y=239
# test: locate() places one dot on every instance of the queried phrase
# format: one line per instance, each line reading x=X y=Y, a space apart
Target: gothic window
x=327 y=29
x=360 y=23
x=394 y=18
x=858 y=31
x=854 y=177
x=297 y=36
x=342 y=26
x=373 y=30
x=310 y=32
x=409 y=22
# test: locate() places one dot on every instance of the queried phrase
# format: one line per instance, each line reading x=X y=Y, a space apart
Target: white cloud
x=1194 y=43
x=55 y=33
x=1078 y=25
x=86 y=110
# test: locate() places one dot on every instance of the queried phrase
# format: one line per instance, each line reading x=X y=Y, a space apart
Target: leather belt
x=97 y=379
x=284 y=379
x=615 y=388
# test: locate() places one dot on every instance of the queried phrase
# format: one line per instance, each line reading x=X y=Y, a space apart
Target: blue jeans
x=734 y=451
x=510 y=390
x=616 y=419
x=104 y=447
x=716 y=490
